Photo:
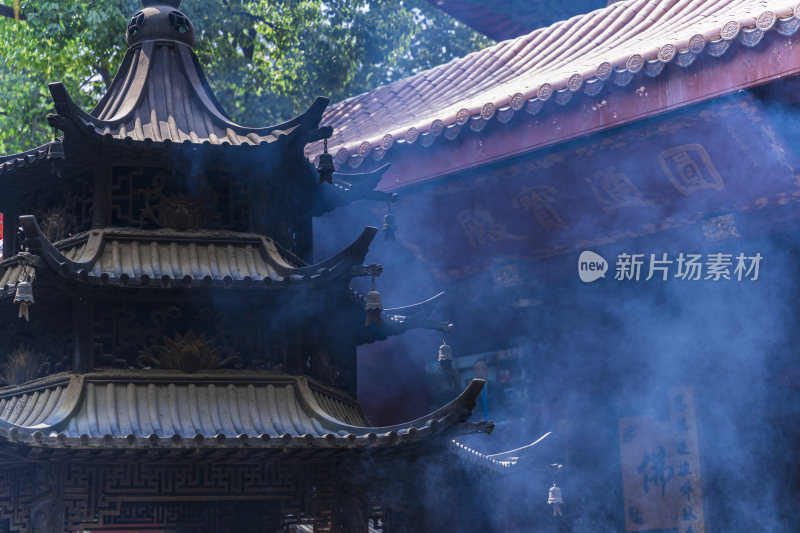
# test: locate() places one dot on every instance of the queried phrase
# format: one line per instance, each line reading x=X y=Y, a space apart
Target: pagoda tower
x=171 y=356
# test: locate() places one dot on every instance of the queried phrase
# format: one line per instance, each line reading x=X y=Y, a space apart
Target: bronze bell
x=374 y=307
x=24 y=297
x=445 y=352
x=445 y=356
x=389 y=226
x=555 y=499
x=56 y=150
x=55 y=154
x=326 y=168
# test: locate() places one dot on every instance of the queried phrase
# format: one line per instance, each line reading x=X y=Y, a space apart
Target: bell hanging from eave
x=55 y=154
x=555 y=499
x=56 y=150
x=374 y=307
x=24 y=297
x=326 y=168
x=445 y=355
x=389 y=225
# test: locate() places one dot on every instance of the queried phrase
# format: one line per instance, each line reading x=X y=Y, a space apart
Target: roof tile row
x=151 y=408
x=583 y=53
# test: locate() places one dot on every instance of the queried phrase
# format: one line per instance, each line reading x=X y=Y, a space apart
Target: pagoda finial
x=171 y=3
x=160 y=20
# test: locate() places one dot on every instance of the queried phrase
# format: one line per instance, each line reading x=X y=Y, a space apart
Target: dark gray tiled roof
x=11 y=162
x=170 y=258
x=144 y=408
x=160 y=95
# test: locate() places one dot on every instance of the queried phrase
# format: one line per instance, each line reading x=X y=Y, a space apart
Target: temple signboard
x=661 y=469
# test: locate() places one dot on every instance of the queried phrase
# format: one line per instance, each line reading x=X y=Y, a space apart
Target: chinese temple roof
x=160 y=95
x=203 y=259
x=168 y=258
x=506 y=19
x=146 y=409
x=23 y=159
x=550 y=66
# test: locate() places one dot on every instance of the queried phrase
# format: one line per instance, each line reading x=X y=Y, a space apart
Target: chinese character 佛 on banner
x=661 y=469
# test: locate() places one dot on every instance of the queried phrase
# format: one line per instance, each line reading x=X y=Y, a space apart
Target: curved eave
x=349 y=188
x=398 y=320
x=25 y=163
x=172 y=259
x=480 y=459
x=550 y=67
x=149 y=409
x=508 y=461
x=160 y=97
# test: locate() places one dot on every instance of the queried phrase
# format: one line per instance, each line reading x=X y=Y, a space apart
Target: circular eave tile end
x=766 y=20
x=730 y=30
x=634 y=63
x=342 y=155
x=697 y=43
x=666 y=53
x=544 y=92
x=604 y=71
x=574 y=83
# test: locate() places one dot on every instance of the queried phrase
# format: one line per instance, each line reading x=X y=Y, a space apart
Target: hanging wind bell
x=389 y=225
x=555 y=499
x=445 y=355
x=374 y=308
x=55 y=154
x=56 y=148
x=326 y=168
x=24 y=294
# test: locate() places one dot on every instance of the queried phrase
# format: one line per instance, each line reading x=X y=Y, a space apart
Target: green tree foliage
x=266 y=59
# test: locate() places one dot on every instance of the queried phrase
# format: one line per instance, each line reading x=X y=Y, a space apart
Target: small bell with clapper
x=445 y=355
x=373 y=307
x=326 y=168
x=555 y=499
x=55 y=154
x=24 y=294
